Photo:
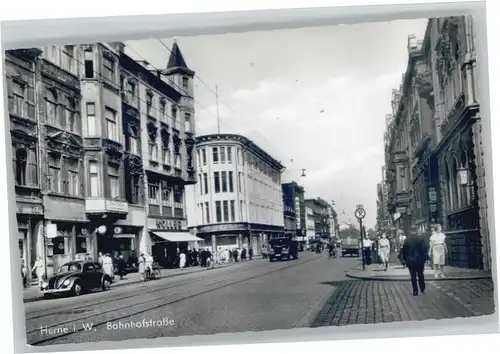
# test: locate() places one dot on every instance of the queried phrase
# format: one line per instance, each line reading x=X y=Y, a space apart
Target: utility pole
x=217 y=105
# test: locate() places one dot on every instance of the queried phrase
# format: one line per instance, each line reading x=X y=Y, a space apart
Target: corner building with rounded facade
x=239 y=200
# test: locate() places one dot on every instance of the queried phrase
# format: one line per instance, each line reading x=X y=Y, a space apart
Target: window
x=166 y=196
x=205 y=182
x=166 y=157
x=111 y=125
x=163 y=110
x=201 y=183
x=94 y=179
x=91 y=121
x=51 y=99
x=223 y=154
x=89 y=64
x=154 y=194
x=178 y=161
x=133 y=141
x=216 y=182
x=204 y=156
x=198 y=157
x=185 y=83
x=215 y=155
x=67 y=57
x=224 y=181
x=108 y=69
x=229 y=154
x=54 y=178
x=149 y=103
x=20 y=164
x=73 y=178
x=114 y=181
x=130 y=90
x=233 y=211
x=231 y=182
x=207 y=213
x=178 y=197
x=18 y=96
x=70 y=110
x=225 y=207
x=187 y=122
x=241 y=210
x=240 y=182
x=135 y=189
x=218 y=211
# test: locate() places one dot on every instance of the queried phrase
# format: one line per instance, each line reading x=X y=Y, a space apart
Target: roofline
x=247 y=143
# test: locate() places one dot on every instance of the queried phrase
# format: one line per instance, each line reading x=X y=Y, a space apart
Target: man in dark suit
x=414 y=254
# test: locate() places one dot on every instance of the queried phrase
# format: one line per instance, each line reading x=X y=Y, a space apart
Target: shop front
x=219 y=237
x=64 y=220
x=30 y=235
x=167 y=241
x=127 y=234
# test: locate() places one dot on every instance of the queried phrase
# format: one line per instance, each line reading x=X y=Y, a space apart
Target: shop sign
x=221 y=227
x=51 y=231
x=432 y=194
x=29 y=209
x=116 y=206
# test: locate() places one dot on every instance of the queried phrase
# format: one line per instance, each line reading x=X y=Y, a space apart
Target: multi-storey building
x=294 y=210
x=239 y=200
x=289 y=213
x=435 y=165
x=321 y=214
x=310 y=225
x=77 y=152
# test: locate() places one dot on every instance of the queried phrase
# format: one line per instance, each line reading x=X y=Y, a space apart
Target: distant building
x=294 y=210
x=310 y=225
x=321 y=215
x=239 y=199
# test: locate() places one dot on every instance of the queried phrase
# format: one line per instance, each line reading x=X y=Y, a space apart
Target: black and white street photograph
x=256 y=181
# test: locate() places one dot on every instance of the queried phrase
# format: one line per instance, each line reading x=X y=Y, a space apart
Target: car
x=74 y=278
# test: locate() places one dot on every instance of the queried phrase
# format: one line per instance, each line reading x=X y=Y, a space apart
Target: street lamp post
x=360 y=213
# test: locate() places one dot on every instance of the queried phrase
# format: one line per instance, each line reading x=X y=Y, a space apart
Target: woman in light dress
x=107 y=265
x=142 y=266
x=384 y=250
x=182 y=260
x=39 y=269
x=437 y=250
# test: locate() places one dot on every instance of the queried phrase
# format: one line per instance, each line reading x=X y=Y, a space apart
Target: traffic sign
x=360 y=213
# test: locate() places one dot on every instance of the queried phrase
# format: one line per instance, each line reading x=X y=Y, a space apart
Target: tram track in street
x=152 y=304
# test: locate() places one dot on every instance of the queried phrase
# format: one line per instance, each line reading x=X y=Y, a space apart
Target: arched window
x=449 y=188
x=465 y=190
x=51 y=106
x=455 y=184
x=21 y=161
x=70 y=111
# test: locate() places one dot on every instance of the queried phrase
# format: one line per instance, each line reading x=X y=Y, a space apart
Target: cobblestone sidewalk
x=364 y=302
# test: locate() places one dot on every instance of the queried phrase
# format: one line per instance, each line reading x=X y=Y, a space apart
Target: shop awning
x=176 y=236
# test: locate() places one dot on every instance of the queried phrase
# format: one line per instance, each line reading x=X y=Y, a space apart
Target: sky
x=314 y=98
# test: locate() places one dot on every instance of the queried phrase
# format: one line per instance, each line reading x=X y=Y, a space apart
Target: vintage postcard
x=256 y=181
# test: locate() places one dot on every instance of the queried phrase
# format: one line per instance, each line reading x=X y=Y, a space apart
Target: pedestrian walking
x=415 y=256
x=182 y=260
x=250 y=253
x=384 y=250
x=437 y=250
x=244 y=254
x=120 y=267
x=24 y=274
x=401 y=241
x=148 y=265
x=39 y=269
x=107 y=265
x=142 y=266
x=367 y=249
x=235 y=254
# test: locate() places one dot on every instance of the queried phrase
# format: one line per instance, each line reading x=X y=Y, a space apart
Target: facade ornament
x=444 y=57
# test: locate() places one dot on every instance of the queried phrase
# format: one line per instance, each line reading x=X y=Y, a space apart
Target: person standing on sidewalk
x=401 y=240
x=437 y=250
x=39 y=269
x=384 y=250
x=415 y=255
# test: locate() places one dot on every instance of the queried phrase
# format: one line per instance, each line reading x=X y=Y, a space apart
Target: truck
x=350 y=246
x=283 y=248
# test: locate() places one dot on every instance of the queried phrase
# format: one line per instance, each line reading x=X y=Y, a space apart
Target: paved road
x=256 y=295
x=251 y=296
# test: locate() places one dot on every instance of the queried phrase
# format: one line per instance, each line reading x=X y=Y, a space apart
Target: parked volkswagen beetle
x=76 y=277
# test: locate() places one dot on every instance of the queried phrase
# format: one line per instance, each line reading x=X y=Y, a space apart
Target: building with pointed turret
x=102 y=150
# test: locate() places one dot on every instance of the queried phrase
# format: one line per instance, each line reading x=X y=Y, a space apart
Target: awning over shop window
x=176 y=236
